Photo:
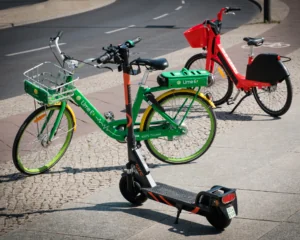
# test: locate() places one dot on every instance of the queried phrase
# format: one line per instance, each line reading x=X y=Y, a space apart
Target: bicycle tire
x=199 y=61
x=285 y=106
x=203 y=138
x=39 y=116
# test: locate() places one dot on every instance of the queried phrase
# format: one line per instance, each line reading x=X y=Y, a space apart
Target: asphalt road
x=4 y=4
x=160 y=23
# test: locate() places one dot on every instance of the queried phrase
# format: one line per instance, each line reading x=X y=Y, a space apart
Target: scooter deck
x=162 y=191
x=189 y=201
x=176 y=197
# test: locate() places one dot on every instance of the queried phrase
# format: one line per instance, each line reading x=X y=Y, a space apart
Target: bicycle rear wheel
x=221 y=86
x=275 y=100
x=33 y=153
x=200 y=124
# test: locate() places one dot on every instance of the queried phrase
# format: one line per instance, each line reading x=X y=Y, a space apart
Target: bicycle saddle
x=254 y=41
x=156 y=64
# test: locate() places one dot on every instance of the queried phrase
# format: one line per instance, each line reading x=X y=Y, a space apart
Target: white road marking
x=161 y=16
x=183 y=2
x=119 y=29
x=32 y=50
x=271 y=45
x=178 y=8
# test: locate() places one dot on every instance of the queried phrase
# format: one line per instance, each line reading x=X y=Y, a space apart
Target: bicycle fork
x=57 y=122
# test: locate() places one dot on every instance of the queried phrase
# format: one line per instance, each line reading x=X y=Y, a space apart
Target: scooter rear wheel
x=218 y=219
x=136 y=197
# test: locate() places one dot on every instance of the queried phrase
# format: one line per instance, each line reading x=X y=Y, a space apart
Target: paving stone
x=295 y=218
x=285 y=231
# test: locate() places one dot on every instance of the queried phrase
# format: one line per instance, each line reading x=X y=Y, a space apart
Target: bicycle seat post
x=251 y=55
x=145 y=77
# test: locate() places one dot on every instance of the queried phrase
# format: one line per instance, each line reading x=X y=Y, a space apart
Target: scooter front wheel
x=136 y=197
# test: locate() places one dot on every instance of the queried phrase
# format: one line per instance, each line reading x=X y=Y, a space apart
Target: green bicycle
x=177 y=127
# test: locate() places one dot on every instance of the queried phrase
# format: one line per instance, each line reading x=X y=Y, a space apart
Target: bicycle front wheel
x=200 y=124
x=33 y=152
x=221 y=86
x=275 y=100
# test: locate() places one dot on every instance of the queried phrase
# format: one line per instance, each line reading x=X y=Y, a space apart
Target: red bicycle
x=266 y=76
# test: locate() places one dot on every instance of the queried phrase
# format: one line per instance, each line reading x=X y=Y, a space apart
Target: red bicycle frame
x=217 y=52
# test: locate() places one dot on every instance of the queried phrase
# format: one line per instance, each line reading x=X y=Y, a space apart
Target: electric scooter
x=218 y=205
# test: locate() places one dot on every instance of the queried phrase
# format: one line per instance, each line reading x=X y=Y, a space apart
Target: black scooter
x=218 y=205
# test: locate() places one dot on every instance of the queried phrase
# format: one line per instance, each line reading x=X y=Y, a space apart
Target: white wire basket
x=49 y=83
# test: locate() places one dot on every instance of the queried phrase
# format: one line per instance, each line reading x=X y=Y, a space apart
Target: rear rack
x=184 y=78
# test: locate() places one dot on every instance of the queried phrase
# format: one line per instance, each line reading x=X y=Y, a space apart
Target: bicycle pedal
x=109 y=115
x=230 y=101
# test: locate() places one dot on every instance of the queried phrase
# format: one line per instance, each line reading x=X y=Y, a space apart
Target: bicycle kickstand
x=242 y=99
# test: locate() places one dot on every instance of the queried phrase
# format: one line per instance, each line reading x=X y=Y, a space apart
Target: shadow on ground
x=18 y=176
x=185 y=228
x=222 y=115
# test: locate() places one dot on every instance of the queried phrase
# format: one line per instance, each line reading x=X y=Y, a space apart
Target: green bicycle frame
x=156 y=129
x=110 y=128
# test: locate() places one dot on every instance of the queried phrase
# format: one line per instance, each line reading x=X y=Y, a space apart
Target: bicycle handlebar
x=134 y=41
x=231 y=9
x=112 y=51
x=227 y=10
x=56 y=39
x=104 y=58
x=216 y=24
x=59 y=34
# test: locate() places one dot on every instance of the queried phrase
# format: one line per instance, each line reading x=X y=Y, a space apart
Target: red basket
x=197 y=36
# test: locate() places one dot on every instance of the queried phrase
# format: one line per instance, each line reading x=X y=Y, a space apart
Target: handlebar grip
x=59 y=34
x=233 y=9
x=136 y=40
x=103 y=58
x=131 y=43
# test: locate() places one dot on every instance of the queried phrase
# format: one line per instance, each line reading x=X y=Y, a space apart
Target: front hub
x=45 y=141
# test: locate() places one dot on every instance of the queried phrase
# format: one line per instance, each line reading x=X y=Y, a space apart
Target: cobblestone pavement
x=92 y=162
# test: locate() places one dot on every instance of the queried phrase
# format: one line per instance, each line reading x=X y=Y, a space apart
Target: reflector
x=228 y=198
